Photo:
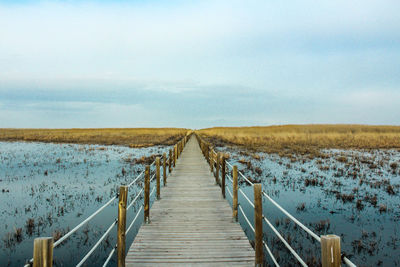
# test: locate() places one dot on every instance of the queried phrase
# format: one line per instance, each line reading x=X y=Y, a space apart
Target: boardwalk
x=192 y=224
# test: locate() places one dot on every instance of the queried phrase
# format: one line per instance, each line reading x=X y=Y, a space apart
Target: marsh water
x=47 y=189
x=353 y=194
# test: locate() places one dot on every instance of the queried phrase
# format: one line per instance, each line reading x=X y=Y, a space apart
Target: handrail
x=110 y=255
x=293 y=218
x=152 y=191
x=59 y=241
x=134 y=200
x=137 y=177
x=270 y=254
x=245 y=217
x=97 y=244
x=152 y=178
x=127 y=231
x=284 y=242
x=181 y=143
x=306 y=229
x=229 y=191
x=244 y=195
x=229 y=178
x=133 y=221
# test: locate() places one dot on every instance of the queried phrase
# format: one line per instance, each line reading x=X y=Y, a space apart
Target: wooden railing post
x=165 y=168
x=43 y=252
x=330 y=251
x=170 y=161
x=217 y=167
x=158 y=176
x=235 y=193
x=223 y=165
x=258 y=225
x=212 y=161
x=123 y=195
x=175 y=155
x=207 y=155
x=147 y=194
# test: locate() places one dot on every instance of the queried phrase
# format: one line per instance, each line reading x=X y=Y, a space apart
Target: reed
x=305 y=139
x=133 y=137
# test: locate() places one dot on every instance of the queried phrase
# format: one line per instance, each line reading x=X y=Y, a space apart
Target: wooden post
x=235 y=193
x=206 y=155
x=158 y=176
x=175 y=155
x=43 y=252
x=123 y=195
x=170 y=161
x=212 y=161
x=165 y=168
x=217 y=168
x=258 y=225
x=147 y=194
x=223 y=174
x=330 y=251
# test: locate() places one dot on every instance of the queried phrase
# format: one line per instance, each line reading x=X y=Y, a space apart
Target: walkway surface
x=191 y=225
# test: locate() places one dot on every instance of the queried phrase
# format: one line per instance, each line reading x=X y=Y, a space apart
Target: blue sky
x=198 y=63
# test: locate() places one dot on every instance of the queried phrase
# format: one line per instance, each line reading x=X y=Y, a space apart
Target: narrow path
x=192 y=224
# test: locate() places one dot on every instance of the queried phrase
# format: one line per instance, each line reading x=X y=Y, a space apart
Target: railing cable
x=270 y=254
x=134 y=200
x=97 y=244
x=245 y=217
x=140 y=174
x=284 y=242
x=133 y=221
x=59 y=241
x=293 y=218
x=110 y=255
x=244 y=195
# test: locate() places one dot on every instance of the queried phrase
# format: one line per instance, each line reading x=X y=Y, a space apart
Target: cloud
x=198 y=63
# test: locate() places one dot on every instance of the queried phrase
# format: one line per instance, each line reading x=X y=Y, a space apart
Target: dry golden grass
x=305 y=139
x=133 y=137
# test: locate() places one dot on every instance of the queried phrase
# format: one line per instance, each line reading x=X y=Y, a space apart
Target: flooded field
x=46 y=189
x=351 y=193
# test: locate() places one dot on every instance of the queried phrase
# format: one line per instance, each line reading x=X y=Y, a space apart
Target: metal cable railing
x=173 y=155
x=97 y=244
x=212 y=157
x=62 y=239
x=284 y=242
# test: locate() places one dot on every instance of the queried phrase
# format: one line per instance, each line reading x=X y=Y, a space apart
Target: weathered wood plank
x=192 y=224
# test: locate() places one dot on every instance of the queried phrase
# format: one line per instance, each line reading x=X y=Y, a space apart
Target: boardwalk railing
x=330 y=244
x=43 y=246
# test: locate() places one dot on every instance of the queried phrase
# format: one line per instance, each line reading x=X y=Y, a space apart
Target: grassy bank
x=305 y=139
x=133 y=137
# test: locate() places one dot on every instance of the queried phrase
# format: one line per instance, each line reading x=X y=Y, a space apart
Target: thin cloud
x=223 y=62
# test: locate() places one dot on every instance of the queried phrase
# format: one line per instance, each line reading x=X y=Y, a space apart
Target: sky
x=197 y=64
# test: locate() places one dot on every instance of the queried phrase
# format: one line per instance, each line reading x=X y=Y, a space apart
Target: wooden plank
x=192 y=224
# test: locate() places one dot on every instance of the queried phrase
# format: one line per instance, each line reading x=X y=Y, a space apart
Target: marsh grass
x=133 y=137
x=288 y=140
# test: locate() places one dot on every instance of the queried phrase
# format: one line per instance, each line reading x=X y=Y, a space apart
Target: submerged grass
x=133 y=137
x=305 y=139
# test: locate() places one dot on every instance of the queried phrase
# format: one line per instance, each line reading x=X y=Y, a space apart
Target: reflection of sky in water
x=381 y=236
x=80 y=178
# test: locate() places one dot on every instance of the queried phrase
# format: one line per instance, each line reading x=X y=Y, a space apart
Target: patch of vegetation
x=305 y=140
x=132 y=137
